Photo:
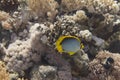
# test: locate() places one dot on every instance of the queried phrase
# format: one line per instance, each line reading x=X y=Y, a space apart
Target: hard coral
x=102 y=24
x=106 y=66
x=4 y=75
x=43 y=8
x=44 y=73
x=5 y=20
x=66 y=26
x=102 y=6
x=4 y=16
x=71 y=5
x=93 y=6
x=79 y=16
x=21 y=55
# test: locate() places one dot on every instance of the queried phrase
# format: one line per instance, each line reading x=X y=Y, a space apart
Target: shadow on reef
x=114 y=46
x=8 y=5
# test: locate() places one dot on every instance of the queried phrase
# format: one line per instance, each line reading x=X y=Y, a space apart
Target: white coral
x=21 y=55
x=94 y=6
x=102 y=6
x=86 y=34
x=79 y=16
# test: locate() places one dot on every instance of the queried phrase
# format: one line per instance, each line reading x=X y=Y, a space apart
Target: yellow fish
x=69 y=44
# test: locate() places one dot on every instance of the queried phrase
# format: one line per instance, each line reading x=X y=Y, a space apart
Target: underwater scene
x=59 y=39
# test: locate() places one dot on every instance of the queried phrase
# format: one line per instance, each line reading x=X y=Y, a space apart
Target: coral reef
x=4 y=19
x=20 y=55
x=93 y=6
x=103 y=6
x=79 y=63
x=2 y=51
x=29 y=30
x=105 y=66
x=44 y=73
x=67 y=25
x=46 y=8
x=70 y=5
x=4 y=16
x=80 y=16
x=102 y=24
x=115 y=36
x=4 y=75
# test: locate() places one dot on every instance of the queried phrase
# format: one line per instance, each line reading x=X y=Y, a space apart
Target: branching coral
x=79 y=16
x=100 y=70
x=103 y=25
x=89 y=20
x=71 y=5
x=66 y=25
x=102 y=6
x=44 y=73
x=93 y=6
x=4 y=75
x=43 y=8
x=4 y=17
x=21 y=55
x=85 y=34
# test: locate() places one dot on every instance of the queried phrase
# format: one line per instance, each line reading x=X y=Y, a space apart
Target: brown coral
x=43 y=8
x=4 y=75
x=106 y=66
x=4 y=15
x=5 y=20
x=71 y=5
